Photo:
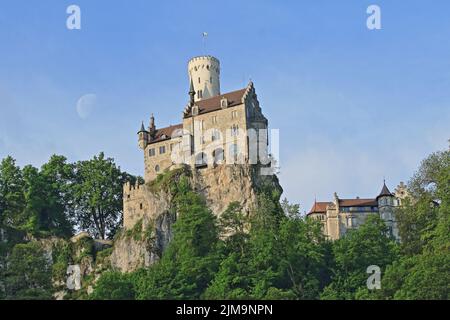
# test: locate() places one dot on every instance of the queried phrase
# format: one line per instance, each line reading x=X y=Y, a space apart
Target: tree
x=354 y=253
x=97 y=195
x=11 y=193
x=233 y=226
x=189 y=262
x=28 y=274
x=58 y=176
x=304 y=257
x=113 y=286
x=424 y=223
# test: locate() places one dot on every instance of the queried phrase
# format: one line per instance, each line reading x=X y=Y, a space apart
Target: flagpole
x=205 y=35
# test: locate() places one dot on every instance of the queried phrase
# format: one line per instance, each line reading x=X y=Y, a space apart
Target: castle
x=341 y=215
x=217 y=129
x=223 y=138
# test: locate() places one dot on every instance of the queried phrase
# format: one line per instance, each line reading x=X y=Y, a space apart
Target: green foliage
x=169 y=180
x=62 y=257
x=113 y=286
x=135 y=232
x=97 y=196
x=189 y=262
x=270 y=253
x=281 y=257
x=424 y=222
x=28 y=274
x=12 y=198
x=368 y=245
x=31 y=200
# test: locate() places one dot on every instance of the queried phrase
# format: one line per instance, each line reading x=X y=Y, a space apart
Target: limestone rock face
x=142 y=246
x=147 y=231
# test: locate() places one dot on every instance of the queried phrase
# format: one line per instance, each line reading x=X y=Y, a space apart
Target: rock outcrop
x=147 y=232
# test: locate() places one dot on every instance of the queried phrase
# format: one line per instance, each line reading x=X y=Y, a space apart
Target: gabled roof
x=167 y=132
x=319 y=207
x=213 y=104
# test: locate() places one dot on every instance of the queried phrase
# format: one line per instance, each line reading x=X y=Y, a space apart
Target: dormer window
x=224 y=103
x=195 y=110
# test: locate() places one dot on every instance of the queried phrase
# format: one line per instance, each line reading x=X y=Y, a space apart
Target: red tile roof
x=167 y=132
x=212 y=104
x=321 y=207
x=357 y=202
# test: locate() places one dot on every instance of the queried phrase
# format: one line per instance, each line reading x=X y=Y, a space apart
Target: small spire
x=385 y=190
x=152 y=123
x=142 y=127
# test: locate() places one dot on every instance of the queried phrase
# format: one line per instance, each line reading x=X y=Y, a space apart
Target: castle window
x=195 y=110
x=162 y=149
x=151 y=152
x=214 y=119
x=234 y=151
x=233 y=114
x=224 y=103
x=200 y=94
x=202 y=140
x=140 y=206
x=198 y=79
x=234 y=130
x=210 y=79
x=201 y=160
x=215 y=135
x=218 y=156
x=157 y=168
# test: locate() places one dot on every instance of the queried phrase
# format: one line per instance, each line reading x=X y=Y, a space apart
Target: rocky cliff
x=147 y=233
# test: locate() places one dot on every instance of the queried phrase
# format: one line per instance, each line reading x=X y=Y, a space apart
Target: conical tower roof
x=385 y=191
x=142 y=128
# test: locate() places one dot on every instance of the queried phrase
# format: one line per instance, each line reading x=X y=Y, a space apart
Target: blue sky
x=352 y=105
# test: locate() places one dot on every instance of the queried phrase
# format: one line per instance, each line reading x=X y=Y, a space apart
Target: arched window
x=157 y=168
x=218 y=156
x=201 y=160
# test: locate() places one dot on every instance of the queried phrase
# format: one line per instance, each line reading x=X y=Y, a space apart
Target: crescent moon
x=85 y=105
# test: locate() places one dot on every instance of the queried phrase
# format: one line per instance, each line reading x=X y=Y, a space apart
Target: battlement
x=134 y=203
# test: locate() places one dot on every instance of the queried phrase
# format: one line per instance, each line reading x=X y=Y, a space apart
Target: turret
x=386 y=209
x=385 y=198
x=143 y=137
x=204 y=74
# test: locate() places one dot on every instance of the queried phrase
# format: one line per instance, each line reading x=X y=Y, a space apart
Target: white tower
x=204 y=71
